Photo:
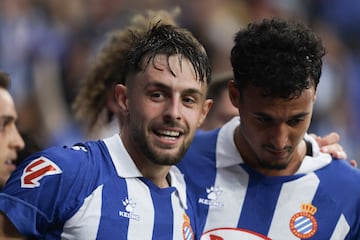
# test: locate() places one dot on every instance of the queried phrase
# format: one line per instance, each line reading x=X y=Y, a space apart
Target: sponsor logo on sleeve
x=36 y=170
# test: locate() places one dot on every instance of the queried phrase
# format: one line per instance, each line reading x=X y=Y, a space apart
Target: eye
x=295 y=121
x=263 y=119
x=6 y=121
x=189 y=100
x=157 y=96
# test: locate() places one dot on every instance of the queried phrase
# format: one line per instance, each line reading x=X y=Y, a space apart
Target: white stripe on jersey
x=177 y=180
x=341 y=230
x=178 y=216
x=138 y=192
x=88 y=213
x=292 y=195
x=230 y=179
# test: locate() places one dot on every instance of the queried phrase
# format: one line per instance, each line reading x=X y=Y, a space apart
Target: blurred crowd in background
x=47 y=45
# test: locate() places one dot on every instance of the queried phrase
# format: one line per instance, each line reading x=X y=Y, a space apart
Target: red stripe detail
x=29 y=168
x=28 y=178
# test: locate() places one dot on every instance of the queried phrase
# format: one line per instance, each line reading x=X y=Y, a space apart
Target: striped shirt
x=320 y=201
x=94 y=191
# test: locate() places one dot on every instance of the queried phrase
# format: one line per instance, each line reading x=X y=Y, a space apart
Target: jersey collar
x=126 y=168
x=124 y=165
x=230 y=156
x=226 y=149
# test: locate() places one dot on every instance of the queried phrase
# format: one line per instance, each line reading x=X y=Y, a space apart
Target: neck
x=159 y=175
x=154 y=172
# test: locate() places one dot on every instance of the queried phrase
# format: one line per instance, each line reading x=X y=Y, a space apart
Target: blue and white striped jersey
x=320 y=201
x=94 y=191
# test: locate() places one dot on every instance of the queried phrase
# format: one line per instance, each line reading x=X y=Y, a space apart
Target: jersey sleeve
x=44 y=190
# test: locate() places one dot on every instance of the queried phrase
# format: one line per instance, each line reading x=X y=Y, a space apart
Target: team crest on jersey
x=188 y=233
x=303 y=224
x=213 y=193
x=36 y=170
x=129 y=205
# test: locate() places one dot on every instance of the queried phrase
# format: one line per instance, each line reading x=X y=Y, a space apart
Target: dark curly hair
x=281 y=57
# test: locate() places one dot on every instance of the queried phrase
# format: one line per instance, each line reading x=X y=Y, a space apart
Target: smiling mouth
x=169 y=134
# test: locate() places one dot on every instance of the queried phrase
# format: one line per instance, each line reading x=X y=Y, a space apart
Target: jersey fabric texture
x=94 y=191
x=320 y=201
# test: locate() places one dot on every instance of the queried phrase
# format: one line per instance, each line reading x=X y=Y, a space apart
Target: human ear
x=111 y=102
x=121 y=97
x=234 y=94
x=204 y=111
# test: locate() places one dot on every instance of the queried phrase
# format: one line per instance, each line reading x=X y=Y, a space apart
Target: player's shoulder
x=203 y=140
x=80 y=161
x=68 y=156
x=341 y=171
x=201 y=152
x=343 y=165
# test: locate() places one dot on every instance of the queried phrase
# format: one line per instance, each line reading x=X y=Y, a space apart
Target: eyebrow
x=299 y=115
x=6 y=119
x=165 y=87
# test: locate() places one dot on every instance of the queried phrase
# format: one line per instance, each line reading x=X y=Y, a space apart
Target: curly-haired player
x=255 y=182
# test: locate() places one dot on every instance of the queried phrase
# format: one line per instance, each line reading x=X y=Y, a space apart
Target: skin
x=10 y=140
x=221 y=112
x=271 y=131
x=162 y=107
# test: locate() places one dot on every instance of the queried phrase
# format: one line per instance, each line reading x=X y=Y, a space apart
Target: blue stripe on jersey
x=255 y=200
x=114 y=193
x=163 y=209
x=333 y=195
x=163 y=215
x=191 y=166
x=326 y=218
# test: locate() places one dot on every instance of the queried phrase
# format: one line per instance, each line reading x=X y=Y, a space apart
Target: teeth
x=170 y=133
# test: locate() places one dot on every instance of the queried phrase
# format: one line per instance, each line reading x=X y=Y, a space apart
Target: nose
x=17 y=141
x=173 y=109
x=279 y=136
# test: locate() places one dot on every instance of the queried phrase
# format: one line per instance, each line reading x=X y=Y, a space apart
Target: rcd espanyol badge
x=188 y=233
x=303 y=224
